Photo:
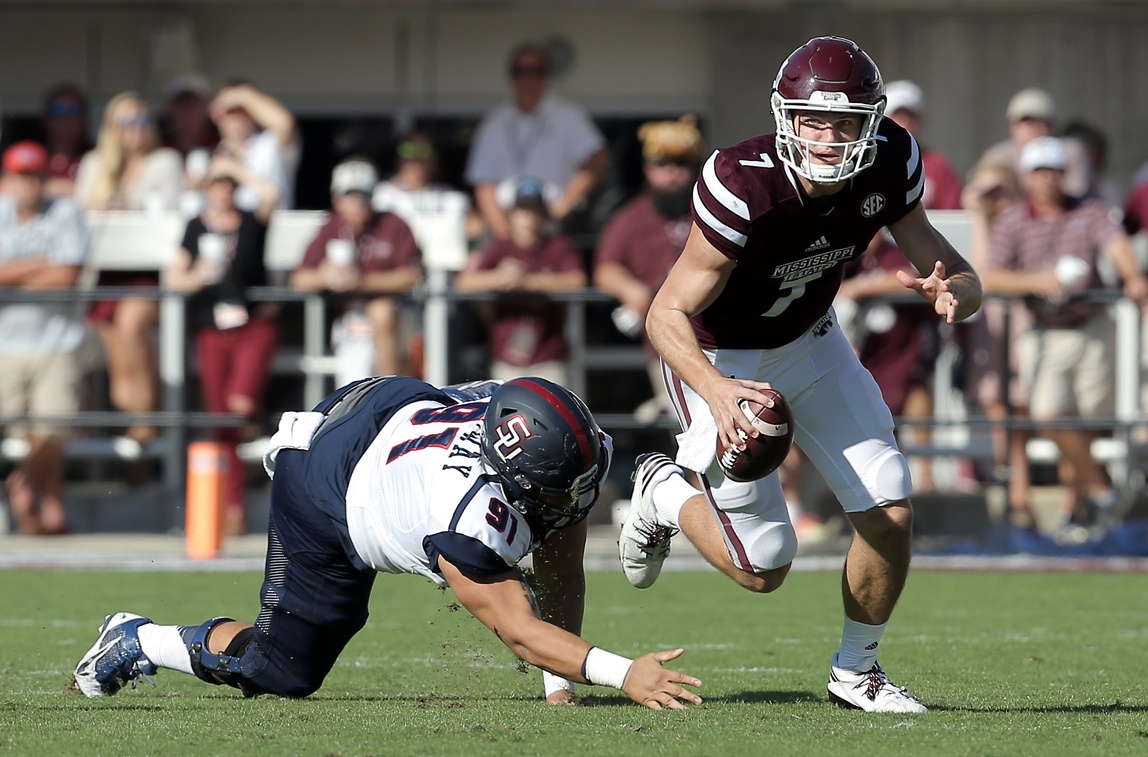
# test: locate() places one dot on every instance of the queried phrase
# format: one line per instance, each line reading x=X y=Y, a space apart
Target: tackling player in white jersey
x=393 y=475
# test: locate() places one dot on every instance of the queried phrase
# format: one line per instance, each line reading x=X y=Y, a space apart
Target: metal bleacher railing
x=146 y=241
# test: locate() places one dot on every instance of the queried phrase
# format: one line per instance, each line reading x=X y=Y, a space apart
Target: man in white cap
x=369 y=258
x=905 y=104
x=1031 y=113
x=1045 y=250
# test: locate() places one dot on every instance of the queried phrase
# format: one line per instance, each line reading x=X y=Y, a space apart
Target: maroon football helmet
x=828 y=74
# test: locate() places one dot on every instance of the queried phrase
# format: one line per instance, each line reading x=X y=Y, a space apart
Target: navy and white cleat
x=115 y=659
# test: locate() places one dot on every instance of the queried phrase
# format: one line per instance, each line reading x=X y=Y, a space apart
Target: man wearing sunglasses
x=393 y=475
x=538 y=135
x=66 y=137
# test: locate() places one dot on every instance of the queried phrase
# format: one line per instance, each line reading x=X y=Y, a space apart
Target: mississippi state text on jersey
x=790 y=254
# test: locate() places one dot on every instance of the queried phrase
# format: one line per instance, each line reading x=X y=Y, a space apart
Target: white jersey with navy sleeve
x=423 y=477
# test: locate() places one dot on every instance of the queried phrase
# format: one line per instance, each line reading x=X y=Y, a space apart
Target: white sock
x=859 y=643
x=164 y=646
x=670 y=496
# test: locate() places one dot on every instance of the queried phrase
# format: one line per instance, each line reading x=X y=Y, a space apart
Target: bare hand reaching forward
x=935 y=289
x=656 y=687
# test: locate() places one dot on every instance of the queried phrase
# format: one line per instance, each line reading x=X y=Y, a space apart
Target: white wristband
x=605 y=668
x=553 y=683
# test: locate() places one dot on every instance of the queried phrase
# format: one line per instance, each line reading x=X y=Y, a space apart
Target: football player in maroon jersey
x=748 y=305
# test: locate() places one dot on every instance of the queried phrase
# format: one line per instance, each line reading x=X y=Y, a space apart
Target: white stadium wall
x=338 y=57
x=631 y=58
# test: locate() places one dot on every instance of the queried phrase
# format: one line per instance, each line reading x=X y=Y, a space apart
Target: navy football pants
x=314 y=599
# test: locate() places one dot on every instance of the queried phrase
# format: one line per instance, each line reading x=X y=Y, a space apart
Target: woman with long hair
x=128 y=170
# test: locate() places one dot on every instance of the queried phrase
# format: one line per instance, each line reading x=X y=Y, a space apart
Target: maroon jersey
x=789 y=249
x=1136 y=210
x=528 y=331
x=942 y=184
x=903 y=355
x=643 y=241
x=387 y=244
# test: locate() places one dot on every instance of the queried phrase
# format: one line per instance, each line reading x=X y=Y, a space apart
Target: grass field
x=1010 y=664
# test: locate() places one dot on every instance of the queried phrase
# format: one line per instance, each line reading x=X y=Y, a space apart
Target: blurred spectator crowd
x=539 y=207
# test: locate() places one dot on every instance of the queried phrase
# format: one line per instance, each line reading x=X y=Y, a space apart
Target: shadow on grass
x=805 y=697
x=1084 y=709
x=70 y=703
x=744 y=697
x=588 y=700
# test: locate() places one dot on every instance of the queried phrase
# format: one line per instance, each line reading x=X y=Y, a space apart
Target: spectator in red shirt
x=905 y=104
x=898 y=343
x=526 y=335
x=369 y=257
x=642 y=240
x=1136 y=210
x=66 y=137
x=899 y=355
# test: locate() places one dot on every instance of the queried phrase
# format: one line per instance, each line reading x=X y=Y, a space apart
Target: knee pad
x=892 y=480
x=755 y=512
x=219 y=669
x=882 y=474
x=772 y=545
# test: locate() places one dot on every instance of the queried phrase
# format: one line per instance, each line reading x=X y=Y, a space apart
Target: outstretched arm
x=503 y=604
x=265 y=110
x=946 y=279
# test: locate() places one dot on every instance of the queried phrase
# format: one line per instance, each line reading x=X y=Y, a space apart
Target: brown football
x=764 y=453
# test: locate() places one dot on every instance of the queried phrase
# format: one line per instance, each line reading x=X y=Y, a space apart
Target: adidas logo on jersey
x=820 y=244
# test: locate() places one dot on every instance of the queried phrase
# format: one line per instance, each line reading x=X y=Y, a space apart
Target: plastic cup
x=341 y=252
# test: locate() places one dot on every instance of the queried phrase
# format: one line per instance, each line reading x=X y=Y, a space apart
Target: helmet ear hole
x=542 y=441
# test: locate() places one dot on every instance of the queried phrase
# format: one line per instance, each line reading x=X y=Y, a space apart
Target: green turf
x=1010 y=664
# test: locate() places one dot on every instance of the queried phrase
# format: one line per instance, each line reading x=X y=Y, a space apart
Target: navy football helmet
x=545 y=447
